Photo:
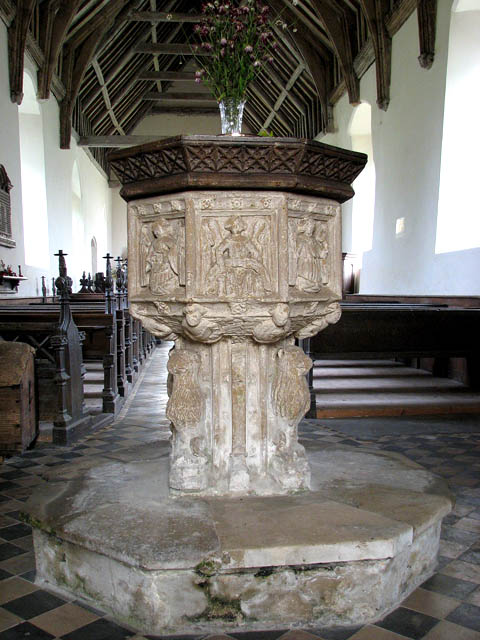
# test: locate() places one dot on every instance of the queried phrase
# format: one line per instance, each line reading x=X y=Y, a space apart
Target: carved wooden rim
x=223 y=162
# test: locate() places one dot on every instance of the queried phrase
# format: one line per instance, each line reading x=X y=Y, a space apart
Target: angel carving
x=312 y=253
x=237 y=267
x=162 y=259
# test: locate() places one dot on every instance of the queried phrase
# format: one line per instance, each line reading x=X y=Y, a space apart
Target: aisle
x=447 y=606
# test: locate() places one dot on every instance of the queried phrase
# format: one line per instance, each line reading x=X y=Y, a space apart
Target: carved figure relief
x=146 y=239
x=331 y=315
x=161 y=257
x=311 y=265
x=274 y=328
x=239 y=257
x=199 y=328
x=185 y=410
x=290 y=394
x=151 y=323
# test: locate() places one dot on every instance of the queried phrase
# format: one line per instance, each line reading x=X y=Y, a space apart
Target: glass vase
x=231 y=115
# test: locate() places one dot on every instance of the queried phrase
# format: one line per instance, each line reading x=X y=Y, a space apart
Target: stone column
x=233 y=277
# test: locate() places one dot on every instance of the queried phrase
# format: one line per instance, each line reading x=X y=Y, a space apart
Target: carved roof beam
x=75 y=65
x=427 y=25
x=92 y=24
x=337 y=28
x=83 y=28
x=375 y=12
x=55 y=21
x=283 y=95
x=106 y=97
x=17 y=38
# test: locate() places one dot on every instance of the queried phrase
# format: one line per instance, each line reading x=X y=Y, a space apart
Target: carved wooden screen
x=5 y=210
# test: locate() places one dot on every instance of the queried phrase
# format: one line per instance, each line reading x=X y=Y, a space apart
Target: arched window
x=93 y=248
x=34 y=194
x=364 y=186
x=458 y=221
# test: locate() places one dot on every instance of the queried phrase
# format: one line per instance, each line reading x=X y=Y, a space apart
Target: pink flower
x=248 y=49
x=256 y=63
x=198 y=80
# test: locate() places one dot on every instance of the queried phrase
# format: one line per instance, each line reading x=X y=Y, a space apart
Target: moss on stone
x=207 y=568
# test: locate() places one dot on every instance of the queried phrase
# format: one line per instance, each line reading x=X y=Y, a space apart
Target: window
x=34 y=195
x=458 y=221
x=364 y=186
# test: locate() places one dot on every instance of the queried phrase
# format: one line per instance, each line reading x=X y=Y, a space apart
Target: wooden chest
x=18 y=420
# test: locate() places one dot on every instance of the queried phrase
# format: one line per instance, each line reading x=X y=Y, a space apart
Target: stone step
x=356 y=363
x=368 y=372
x=93 y=378
x=336 y=405
x=355 y=388
x=404 y=384
x=93 y=365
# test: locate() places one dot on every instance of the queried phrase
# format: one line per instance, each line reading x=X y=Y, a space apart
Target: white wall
x=96 y=195
x=407 y=144
x=119 y=224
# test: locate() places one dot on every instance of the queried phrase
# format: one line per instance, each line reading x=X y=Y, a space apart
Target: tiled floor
x=445 y=607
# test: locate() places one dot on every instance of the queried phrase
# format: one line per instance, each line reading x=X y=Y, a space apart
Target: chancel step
x=353 y=388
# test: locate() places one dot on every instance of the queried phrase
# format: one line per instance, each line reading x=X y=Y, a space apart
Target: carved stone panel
x=314 y=242
x=159 y=264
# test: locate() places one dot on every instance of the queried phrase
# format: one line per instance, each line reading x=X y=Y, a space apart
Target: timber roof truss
x=112 y=62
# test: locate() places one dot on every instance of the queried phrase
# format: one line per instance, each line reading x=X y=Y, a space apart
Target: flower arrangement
x=238 y=40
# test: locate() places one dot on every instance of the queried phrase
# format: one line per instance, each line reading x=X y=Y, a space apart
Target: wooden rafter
x=115 y=141
x=168 y=49
x=427 y=25
x=283 y=95
x=106 y=97
x=75 y=66
x=113 y=73
x=336 y=26
x=171 y=99
x=165 y=76
x=375 y=12
x=162 y=16
x=56 y=18
x=17 y=38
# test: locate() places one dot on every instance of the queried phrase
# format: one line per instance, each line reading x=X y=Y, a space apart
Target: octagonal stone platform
x=344 y=553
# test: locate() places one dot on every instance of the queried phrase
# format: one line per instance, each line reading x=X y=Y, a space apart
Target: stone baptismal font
x=235 y=254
